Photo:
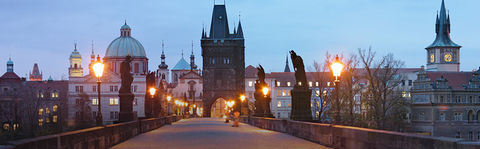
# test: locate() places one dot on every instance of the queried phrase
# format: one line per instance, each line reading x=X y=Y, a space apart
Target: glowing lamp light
x=337 y=68
x=242 y=98
x=265 y=91
x=169 y=98
x=152 y=91
x=98 y=68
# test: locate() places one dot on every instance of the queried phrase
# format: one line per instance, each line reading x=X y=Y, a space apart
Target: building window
x=113 y=101
x=112 y=115
x=111 y=88
x=442 y=116
x=135 y=88
x=135 y=101
x=404 y=94
x=478 y=135
x=250 y=83
x=54 y=118
x=470 y=136
x=403 y=82
x=316 y=83
x=94 y=114
x=288 y=83
x=441 y=99
x=47 y=120
x=55 y=108
x=78 y=101
x=458 y=116
x=94 y=101
x=40 y=111
x=458 y=135
x=54 y=94
x=278 y=83
x=279 y=104
x=40 y=122
x=94 y=88
x=310 y=84
x=284 y=92
x=136 y=67
x=421 y=116
x=115 y=88
x=279 y=93
x=47 y=111
x=409 y=82
x=79 y=89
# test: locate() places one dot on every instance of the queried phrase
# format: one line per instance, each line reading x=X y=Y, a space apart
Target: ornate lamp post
x=265 y=93
x=152 y=91
x=337 y=67
x=98 y=68
x=242 y=98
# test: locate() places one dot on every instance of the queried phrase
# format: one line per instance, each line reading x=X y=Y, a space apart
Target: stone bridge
x=211 y=133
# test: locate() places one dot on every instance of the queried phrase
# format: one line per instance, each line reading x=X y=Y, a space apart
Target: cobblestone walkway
x=210 y=133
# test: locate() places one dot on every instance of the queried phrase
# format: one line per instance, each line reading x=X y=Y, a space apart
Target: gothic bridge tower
x=223 y=64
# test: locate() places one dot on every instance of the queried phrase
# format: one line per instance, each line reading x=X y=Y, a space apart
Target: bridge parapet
x=95 y=137
x=347 y=137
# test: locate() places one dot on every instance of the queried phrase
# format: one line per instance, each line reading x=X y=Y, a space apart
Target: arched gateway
x=218 y=108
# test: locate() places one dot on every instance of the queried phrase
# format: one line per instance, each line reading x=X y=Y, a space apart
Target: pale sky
x=45 y=31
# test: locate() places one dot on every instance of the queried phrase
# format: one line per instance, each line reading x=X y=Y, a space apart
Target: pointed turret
x=35 y=75
x=219 y=27
x=287 y=68
x=92 y=56
x=240 y=30
x=203 y=33
x=442 y=28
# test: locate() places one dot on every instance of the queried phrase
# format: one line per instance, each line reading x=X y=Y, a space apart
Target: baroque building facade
x=82 y=94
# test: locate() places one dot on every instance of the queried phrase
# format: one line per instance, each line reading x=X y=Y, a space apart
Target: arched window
x=470 y=115
x=75 y=66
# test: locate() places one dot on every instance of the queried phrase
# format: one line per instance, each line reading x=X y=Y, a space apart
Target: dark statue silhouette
x=261 y=108
x=301 y=94
x=126 y=97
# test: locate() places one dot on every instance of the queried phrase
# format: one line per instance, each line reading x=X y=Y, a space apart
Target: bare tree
x=381 y=95
x=84 y=118
x=323 y=94
x=349 y=88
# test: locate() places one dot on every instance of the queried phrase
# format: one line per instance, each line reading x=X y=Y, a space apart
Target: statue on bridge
x=301 y=94
x=262 y=108
x=126 y=97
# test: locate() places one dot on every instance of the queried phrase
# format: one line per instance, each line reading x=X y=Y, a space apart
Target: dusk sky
x=45 y=31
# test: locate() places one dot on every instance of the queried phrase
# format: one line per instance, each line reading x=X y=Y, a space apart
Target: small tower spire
x=163 y=65
x=239 y=30
x=92 y=56
x=287 y=69
x=192 y=60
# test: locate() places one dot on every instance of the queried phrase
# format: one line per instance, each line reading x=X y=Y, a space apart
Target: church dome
x=182 y=64
x=125 y=45
x=75 y=53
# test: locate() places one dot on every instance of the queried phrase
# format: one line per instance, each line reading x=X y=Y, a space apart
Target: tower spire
x=192 y=60
x=442 y=28
x=287 y=69
x=92 y=56
x=163 y=65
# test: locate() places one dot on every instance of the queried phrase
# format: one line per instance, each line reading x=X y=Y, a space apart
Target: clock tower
x=443 y=54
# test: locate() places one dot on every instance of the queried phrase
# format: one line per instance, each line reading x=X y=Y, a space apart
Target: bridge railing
x=347 y=137
x=95 y=137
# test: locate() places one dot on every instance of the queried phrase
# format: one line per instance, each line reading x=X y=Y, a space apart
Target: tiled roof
x=456 y=80
x=9 y=75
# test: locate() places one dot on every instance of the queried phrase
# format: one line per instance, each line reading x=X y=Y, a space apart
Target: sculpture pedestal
x=126 y=107
x=301 y=109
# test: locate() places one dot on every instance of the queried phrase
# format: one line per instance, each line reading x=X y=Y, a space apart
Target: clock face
x=447 y=57
x=432 y=58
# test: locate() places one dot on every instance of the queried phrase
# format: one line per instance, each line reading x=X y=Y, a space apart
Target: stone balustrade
x=95 y=137
x=346 y=137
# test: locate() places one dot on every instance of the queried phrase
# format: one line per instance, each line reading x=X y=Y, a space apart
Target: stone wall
x=95 y=137
x=346 y=137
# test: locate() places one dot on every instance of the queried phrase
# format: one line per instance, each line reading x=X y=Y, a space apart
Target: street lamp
x=152 y=91
x=98 y=68
x=265 y=93
x=337 y=67
x=242 y=98
x=168 y=105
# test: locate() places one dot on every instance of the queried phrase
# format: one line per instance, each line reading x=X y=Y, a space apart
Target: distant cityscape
x=436 y=99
